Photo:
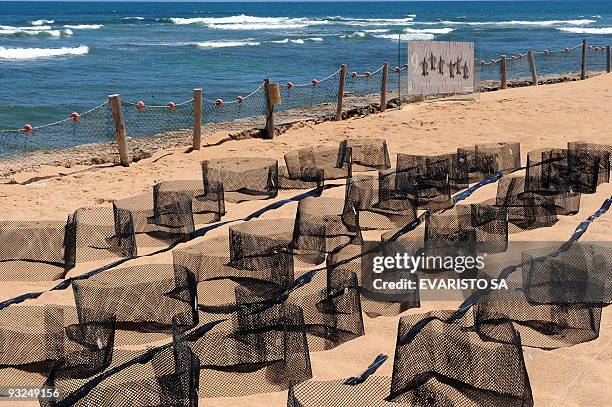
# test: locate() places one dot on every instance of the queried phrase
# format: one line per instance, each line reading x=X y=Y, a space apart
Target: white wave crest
x=42 y=22
x=297 y=40
x=84 y=26
x=596 y=31
x=227 y=44
x=377 y=30
x=244 y=22
x=406 y=36
x=38 y=31
x=429 y=30
x=33 y=53
x=366 y=22
x=545 y=23
x=357 y=35
x=133 y=18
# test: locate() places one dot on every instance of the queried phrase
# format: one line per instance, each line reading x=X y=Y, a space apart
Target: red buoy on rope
x=483 y=62
x=353 y=74
x=239 y=99
x=590 y=47
x=314 y=82
x=367 y=74
x=218 y=102
x=171 y=105
x=567 y=50
x=140 y=105
x=289 y=85
x=75 y=116
x=28 y=128
x=492 y=62
x=396 y=69
x=546 y=51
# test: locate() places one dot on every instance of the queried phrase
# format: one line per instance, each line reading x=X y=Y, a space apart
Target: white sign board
x=440 y=67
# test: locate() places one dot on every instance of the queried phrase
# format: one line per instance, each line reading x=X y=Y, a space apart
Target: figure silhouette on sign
x=458 y=65
x=441 y=63
x=466 y=71
x=451 y=69
x=432 y=62
x=425 y=67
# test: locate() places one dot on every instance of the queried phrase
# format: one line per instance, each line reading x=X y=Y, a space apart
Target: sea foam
x=33 y=53
x=595 y=31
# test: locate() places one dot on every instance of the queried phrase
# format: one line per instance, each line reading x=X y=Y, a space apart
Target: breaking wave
x=33 y=53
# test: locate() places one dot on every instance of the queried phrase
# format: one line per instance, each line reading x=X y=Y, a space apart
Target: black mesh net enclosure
x=352 y=258
x=436 y=364
x=315 y=164
x=261 y=349
x=427 y=179
x=164 y=376
x=35 y=251
x=487 y=159
x=40 y=341
x=555 y=296
x=144 y=298
x=332 y=309
x=258 y=258
x=167 y=216
x=602 y=151
x=321 y=227
x=574 y=170
x=377 y=203
x=529 y=210
x=363 y=155
x=474 y=228
x=444 y=364
x=285 y=181
x=241 y=178
x=578 y=275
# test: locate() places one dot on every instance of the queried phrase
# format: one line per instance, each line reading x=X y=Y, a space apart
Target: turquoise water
x=56 y=58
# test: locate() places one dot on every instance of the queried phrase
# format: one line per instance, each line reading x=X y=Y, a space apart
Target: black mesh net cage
x=352 y=258
x=167 y=216
x=142 y=298
x=322 y=226
x=487 y=159
x=35 y=251
x=573 y=169
x=42 y=344
x=317 y=164
x=443 y=364
x=258 y=256
x=377 y=203
x=163 y=376
x=260 y=349
x=467 y=229
x=555 y=297
x=529 y=210
x=437 y=363
x=241 y=178
x=430 y=180
x=602 y=151
x=363 y=155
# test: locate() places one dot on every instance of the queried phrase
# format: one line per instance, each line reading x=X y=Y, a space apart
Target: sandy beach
x=537 y=117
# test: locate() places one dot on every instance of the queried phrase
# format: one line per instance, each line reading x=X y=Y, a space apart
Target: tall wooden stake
x=584 y=62
x=609 y=62
x=341 y=92
x=504 y=72
x=532 y=68
x=383 y=87
x=114 y=101
x=270 y=110
x=197 y=119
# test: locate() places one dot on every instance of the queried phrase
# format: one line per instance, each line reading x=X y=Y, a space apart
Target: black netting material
x=240 y=314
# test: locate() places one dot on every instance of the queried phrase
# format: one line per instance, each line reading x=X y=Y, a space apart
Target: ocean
x=60 y=57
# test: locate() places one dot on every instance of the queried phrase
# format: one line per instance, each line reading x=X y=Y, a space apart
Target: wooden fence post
x=584 y=61
x=197 y=119
x=609 y=60
x=341 y=92
x=532 y=68
x=114 y=101
x=269 y=110
x=504 y=72
x=383 y=87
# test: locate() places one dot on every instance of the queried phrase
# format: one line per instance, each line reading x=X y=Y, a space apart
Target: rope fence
x=147 y=126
